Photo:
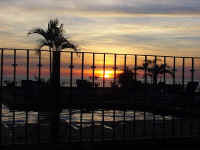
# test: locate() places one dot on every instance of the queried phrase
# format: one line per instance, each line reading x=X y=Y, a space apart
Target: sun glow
x=107 y=74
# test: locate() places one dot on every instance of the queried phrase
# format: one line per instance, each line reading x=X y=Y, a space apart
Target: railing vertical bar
x=81 y=124
x=145 y=100
x=155 y=63
x=71 y=70
x=174 y=70
x=125 y=56
x=134 y=123
x=70 y=101
x=174 y=82
x=81 y=111
x=164 y=76
x=183 y=72
x=124 y=123
x=154 y=126
x=192 y=80
x=115 y=67
x=39 y=66
x=0 y=97
x=38 y=127
x=70 y=124
x=135 y=67
x=39 y=79
x=154 y=115
x=103 y=113
x=13 y=111
x=104 y=68
x=165 y=64
x=145 y=72
x=2 y=64
x=27 y=64
x=192 y=70
x=14 y=65
x=93 y=69
x=93 y=125
x=26 y=112
x=50 y=61
x=114 y=123
x=82 y=66
x=26 y=127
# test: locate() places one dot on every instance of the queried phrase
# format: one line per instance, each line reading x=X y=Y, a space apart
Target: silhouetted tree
x=126 y=80
x=154 y=70
x=53 y=37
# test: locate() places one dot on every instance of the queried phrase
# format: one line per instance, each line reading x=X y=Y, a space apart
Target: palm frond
x=39 y=31
x=53 y=36
x=70 y=45
x=43 y=43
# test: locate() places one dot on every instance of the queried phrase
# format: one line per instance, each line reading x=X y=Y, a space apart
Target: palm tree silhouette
x=54 y=38
x=153 y=70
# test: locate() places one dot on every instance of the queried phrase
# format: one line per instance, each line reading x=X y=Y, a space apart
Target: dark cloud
x=106 y=7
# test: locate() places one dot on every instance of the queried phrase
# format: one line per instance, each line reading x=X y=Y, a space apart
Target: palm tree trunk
x=55 y=81
x=55 y=74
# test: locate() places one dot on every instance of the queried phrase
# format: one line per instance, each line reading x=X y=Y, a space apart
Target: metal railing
x=95 y=110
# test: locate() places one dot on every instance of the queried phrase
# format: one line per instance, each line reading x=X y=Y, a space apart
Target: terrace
x=93 y=104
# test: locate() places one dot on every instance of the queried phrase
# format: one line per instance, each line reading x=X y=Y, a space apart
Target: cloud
x=106 y=8
x=142 y=25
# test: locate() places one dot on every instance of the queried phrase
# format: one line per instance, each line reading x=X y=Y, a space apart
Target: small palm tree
x=154 y=70
x=54 y=38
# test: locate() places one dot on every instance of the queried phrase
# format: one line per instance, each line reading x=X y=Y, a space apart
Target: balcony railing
x=94 y=105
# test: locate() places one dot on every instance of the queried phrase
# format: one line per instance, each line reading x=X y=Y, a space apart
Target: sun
x=108 y=74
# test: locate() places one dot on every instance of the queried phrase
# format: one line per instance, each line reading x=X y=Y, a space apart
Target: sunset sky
x=165 y=27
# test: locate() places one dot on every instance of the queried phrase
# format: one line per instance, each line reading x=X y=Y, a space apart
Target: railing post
x=2 y=64
x=125 y=69
x=145 y=97
x=104 y=68
x=27 y=64
x=13 y=111
x=71 y=69
x=70 y=99
x=115 y=67
x=192 y=70
x=0 y=96
x=14 y=65
x=82 y=66
x=174 y=71
x=39 y=66
x=164 y=75
x=183 y=72
x=135 y=68
x=93 y=70
x=145 y=71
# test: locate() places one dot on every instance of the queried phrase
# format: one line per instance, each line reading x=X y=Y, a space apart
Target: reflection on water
x=77 y=117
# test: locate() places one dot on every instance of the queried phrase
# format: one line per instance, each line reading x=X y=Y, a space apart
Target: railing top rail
x=101 y=53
